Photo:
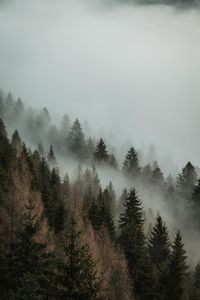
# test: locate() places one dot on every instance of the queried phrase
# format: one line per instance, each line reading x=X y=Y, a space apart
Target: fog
x=132 y=71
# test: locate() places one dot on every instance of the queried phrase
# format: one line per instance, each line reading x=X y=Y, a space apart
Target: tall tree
x=159 y=250
x=78 y=274
x=76 y=140
x=186 y=181
x=131 y=163
x=16 y=142
x=51 y=156
x=159 y=246
x=178 y=269
x=131 y=237
x=196 y=285
x=101 y=153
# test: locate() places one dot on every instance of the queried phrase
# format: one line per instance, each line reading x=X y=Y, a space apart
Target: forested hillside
x=72 y=237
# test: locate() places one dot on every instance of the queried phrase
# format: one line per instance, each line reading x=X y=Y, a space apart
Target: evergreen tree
x=131 y=163
x=76 y=140
x=40 y=149
x=186 y=181
x=159 y=243
x=100 y=214
x=101 y=153
x=121 y=201
x=78 y=276
x=16 y=142
x=178 y=269
x=196 y=285
x=159 y=250
x=51 y=156
x=157 y=178
x=25 y=265
x=131 y=237
x=196 y=204
x=3 y=132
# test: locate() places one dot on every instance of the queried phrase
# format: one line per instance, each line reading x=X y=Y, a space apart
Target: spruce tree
x=196 y=204
x=131 y=163
x=51 y=156
x=76 y=140
x=78 y=277
x=101 y=153
x=131 y=237
x=16 y=142
x=177 y=269
x=186 y=181
x=159 y=251
x=196 y=284
x=158 y=245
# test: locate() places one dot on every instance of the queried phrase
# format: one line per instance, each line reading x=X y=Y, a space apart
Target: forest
x=70 y=236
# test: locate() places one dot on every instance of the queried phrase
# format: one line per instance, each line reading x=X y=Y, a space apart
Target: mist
x=131 y=71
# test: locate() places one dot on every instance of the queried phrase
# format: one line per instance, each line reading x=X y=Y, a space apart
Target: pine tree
x=51 y=156
x=186 y=181
x=196 y=204
x=131 y=163
x=158 y=245
x=78 y=276
x=100 y=214
x=16 y=142
x=131 y=237
x=177 y=271
x=76 y=140
x=101 y=153
x=196 y=285
x=25 y=265
x=40 y=149
x=159 y=250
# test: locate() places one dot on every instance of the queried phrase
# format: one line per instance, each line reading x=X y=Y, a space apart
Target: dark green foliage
x=157 y=178
x=24 y=267
x=51 y=156
x=101 y=153
x=186 y=181
x=131 y=237
x=78 y=274
x=159 y=251
x=158 y=245
x=100 y=214
x=196 y=284
x=177 y=269
x=131 y=163
x=76 y=140
x=147 y=280
x=16 y=142
x=52 y=197
x=196 y=204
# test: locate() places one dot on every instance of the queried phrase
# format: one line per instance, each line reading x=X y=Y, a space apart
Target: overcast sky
x=130 y=70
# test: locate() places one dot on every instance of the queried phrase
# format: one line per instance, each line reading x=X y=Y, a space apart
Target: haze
x=132 y=71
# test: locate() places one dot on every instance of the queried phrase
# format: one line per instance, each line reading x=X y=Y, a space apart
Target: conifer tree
x=158 y=245
x=16 y=142
x=3 y=132
x=196 y=285
x=76 y=140
x=101 y=153
x=131 y=237
x=40 y=149
x=177 y=271
x=131 y=163
x=51 y=156
x=78 y=277
x=196 y=204
x=159 y=251
x=186 y=181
